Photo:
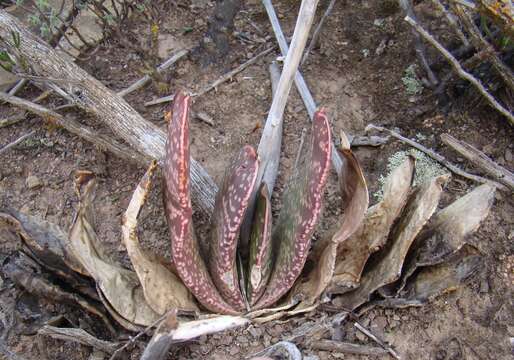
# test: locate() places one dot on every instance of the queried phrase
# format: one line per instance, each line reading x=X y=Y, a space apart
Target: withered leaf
x=163 y=290
x=229 y=210
x=436 y=280
x=49 y=246
x=388 y=265
x=300 y=211
x=447 y=232
x=372 y=233
x=355 y=203
x=119 y=287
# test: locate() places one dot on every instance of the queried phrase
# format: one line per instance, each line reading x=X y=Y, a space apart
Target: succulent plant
x=276 y=260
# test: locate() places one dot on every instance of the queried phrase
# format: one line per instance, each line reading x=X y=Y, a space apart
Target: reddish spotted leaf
x=184 y=245
x=300 y=211
x=229 y=209
x=259 y=267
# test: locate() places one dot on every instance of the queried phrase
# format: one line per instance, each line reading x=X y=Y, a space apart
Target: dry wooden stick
x=16 y=142
x=233 y=72
x=216 y=83
x=13 y=119
x=101 y=141
x=439 y=158
x=347 y=348
x=300 y=83
x=90 y=94
x=406 y=6
x=79 y=336
x=369 y=334
x=147 y=78
x=480 y=160
x=271 y=138
x=458 y=68
x=317 y=30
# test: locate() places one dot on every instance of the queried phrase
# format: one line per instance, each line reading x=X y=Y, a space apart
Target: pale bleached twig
x=79 y=336
x=317 y=31
x=13 y=119
x=458 y=68
x=19 y=85
x=480 y=160
x=300 y=83
x=16 y=142
x=369 y=334
x=347 y=348
x=439 y=158
x=147 y=78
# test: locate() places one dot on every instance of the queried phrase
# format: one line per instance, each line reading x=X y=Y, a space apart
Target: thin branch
x=369 y=334
x=462 y=73
x=147 y=78
x=480 y=43
x=317 y=31
x=12 y=120
x=19 y=85
x=16 y=142
x=480 y=160
x=78 y=335
x=233 y=72
x=347 y=348
x=406 y=5
x=439 y=158
x=73 y=126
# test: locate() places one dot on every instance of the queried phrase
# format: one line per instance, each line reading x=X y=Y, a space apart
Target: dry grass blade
x=184 y=245
x=372 y=234
x=163 y=290
x=229 y=210
x=300 y=211
x=119 y=288
x=387 y=267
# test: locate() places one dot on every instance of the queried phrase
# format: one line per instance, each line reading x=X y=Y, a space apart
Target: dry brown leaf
x=119 y=288
x=355 y=203
x=163 y=290
x=446 y=233
x=386 y=268
x=433 y=281
x=353 y=253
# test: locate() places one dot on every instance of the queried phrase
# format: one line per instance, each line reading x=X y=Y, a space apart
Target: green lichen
x=426 y=169
x=413 y=85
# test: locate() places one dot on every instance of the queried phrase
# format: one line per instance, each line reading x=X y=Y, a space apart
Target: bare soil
x=357 y=86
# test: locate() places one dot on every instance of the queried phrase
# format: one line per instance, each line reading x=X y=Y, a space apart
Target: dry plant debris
x=394 y=229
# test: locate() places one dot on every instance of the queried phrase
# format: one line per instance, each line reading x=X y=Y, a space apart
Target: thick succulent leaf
x=259 y=266
x=446 y=233
x=185 y=250
x=229 y=210
x=163 y=290
x=436 y=280
x=48 y=245
x=300 y=211
x=355 y=203
x=386 y=268
x=119 y=287
x=372 y=234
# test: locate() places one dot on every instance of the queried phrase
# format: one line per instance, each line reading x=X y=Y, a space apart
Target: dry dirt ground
x=357 y=86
